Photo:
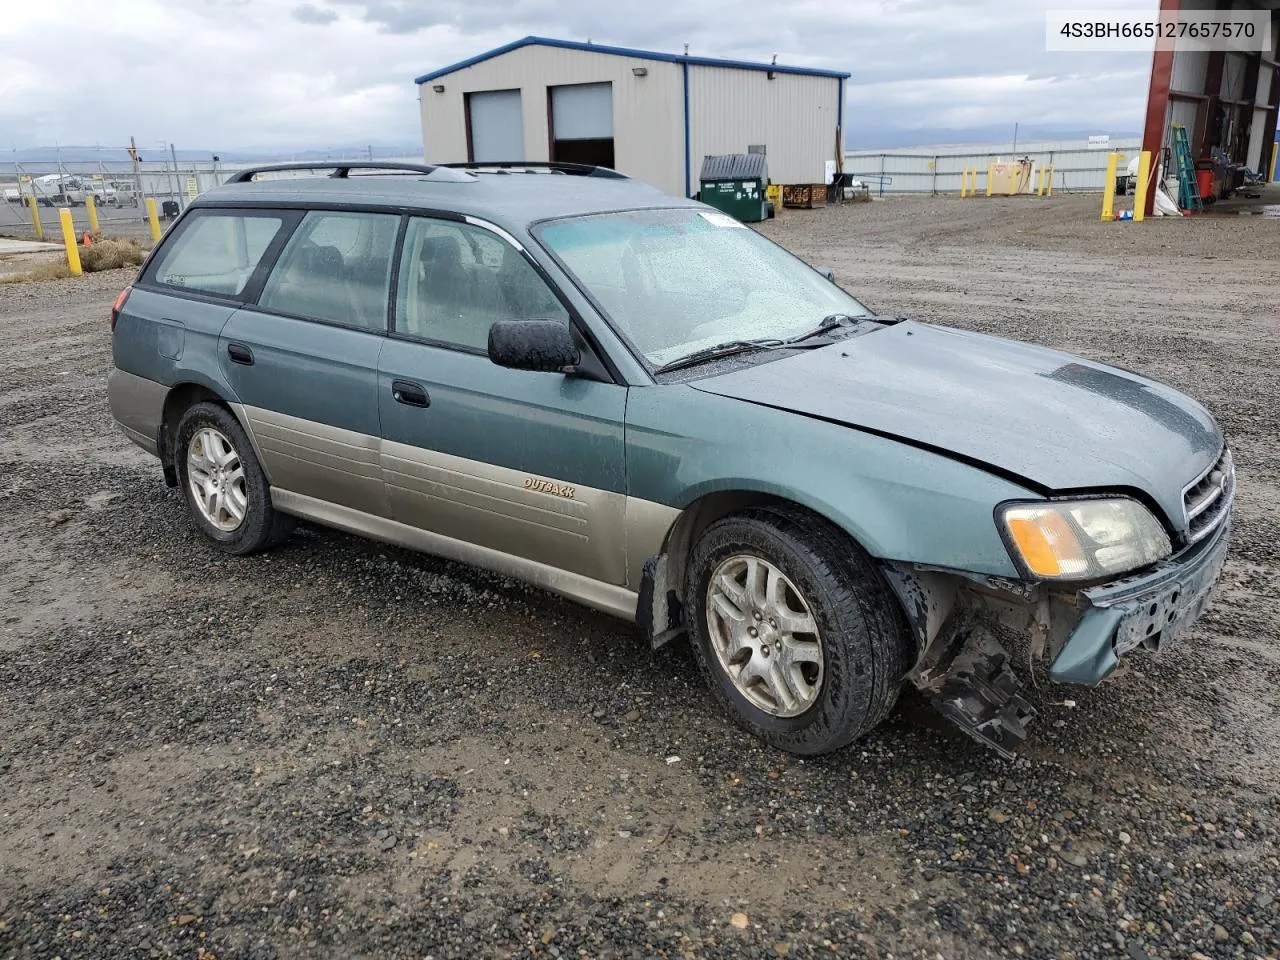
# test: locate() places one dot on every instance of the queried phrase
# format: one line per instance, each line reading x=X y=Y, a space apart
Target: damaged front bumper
x=1144 y=611
x=968 y=674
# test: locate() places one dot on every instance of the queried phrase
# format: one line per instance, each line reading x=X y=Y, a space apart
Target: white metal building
x=651 y=115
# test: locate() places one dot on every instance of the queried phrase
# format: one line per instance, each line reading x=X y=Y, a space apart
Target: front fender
x=899 y=502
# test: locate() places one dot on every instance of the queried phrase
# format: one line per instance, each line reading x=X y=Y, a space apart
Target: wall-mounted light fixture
x=639 y=71
x=438 y=88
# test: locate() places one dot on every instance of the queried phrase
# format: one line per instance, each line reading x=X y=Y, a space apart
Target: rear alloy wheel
x=796 y=633
x=215 y=475
x=225 y=487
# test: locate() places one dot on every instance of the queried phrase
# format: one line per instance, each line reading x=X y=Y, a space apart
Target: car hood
x=1057 y=421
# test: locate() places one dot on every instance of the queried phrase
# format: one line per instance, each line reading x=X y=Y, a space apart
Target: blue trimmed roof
x=628 y=52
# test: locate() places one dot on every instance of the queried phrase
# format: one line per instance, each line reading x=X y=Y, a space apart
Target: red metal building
x=1226 y=100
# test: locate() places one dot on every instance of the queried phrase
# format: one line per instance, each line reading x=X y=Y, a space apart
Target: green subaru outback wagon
x=568 y=377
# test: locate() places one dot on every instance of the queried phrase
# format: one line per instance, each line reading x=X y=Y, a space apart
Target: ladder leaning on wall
x=1188 y=187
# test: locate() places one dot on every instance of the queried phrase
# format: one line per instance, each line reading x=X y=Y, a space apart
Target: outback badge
x=547 y=486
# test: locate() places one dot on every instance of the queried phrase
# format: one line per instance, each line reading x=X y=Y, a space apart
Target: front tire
x=794 y=630
x=225 y=487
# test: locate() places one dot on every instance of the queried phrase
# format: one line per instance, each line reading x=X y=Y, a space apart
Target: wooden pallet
x=804 y=196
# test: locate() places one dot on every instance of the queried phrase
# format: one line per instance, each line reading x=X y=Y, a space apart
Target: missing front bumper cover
x=965 y=673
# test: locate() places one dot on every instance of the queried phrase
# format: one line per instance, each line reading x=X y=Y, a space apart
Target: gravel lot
x=343 y=749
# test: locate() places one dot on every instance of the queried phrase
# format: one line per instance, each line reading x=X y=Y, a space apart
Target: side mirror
x=542 y=345
x=827 y=272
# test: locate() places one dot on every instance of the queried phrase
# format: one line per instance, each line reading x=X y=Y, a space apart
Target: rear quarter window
x=216 y=253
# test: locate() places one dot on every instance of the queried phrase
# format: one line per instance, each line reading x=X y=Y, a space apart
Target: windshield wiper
x=829 y=323
x=726 y=349
x=731 y=347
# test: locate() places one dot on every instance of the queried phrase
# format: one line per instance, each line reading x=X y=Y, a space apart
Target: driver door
x=528 y=464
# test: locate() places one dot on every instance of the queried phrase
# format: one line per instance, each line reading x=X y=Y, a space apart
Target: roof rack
x=341 y=169
x=532 y=166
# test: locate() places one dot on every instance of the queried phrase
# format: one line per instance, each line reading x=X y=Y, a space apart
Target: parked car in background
x=58 y=190
x=633 y=400
x=126 y=192
x=71 y=190
x=103 y=193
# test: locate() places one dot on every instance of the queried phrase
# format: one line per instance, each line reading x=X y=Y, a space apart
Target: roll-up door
x=582 y=124
x=495 y=126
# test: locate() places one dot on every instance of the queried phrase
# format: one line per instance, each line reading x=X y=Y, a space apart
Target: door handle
x=239 y=353
x=409 y=393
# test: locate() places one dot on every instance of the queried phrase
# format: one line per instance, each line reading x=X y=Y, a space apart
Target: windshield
x=677 y=281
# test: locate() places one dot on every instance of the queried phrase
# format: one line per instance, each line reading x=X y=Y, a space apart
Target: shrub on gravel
x=111 y=254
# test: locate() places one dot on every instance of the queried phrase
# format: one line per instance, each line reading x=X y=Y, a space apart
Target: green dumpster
x=735 y=183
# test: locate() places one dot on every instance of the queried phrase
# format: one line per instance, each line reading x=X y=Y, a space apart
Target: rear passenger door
x=304 y=358
x=528 y=464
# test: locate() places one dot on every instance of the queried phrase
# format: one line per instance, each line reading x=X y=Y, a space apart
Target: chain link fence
x=1075 y=168
x=119 y=191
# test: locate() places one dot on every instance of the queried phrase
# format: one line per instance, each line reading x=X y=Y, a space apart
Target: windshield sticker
x=720 y=220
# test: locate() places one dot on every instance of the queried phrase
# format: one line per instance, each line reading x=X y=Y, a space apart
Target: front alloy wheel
x=794 y=628
x=764 y=636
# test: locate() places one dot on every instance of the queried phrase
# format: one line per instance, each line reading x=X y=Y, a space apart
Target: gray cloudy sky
x=293 y=74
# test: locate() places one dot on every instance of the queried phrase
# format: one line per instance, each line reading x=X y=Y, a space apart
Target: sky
x=306 y=74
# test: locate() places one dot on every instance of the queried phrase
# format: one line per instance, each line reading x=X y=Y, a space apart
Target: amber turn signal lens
x=1048 y=545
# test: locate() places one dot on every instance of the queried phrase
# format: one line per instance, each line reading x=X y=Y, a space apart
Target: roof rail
x=341 y=169
x=530 y=166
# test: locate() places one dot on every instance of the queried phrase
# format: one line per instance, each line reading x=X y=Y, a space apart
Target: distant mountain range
x=154 y=153
x=892 y=137
x=855 y=139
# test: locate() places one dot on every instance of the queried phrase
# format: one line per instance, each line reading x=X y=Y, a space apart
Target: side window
x=456 y=280
x=216 y=253
x=336 y=267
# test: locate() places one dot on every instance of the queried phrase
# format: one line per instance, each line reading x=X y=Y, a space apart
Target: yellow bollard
x=1040 y=180
x=1144 y=184
x=991 y=172
x=92 y=207
x=155 y=220
x=1109 y=188
x=964 y=182
x=35 y=218
x=1275 y=149
x=1049 y=182
x=69 y=238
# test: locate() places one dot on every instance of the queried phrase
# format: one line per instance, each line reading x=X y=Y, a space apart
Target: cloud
x=228 y=74
x=310 y=13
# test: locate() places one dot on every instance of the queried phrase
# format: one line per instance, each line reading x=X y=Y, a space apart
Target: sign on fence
x=1101 y=142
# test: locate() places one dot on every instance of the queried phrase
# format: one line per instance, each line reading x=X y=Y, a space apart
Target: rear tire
x=831 y=594
x=225 y=487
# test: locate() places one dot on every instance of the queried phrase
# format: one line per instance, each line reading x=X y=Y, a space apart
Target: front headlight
x=1084 y=539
